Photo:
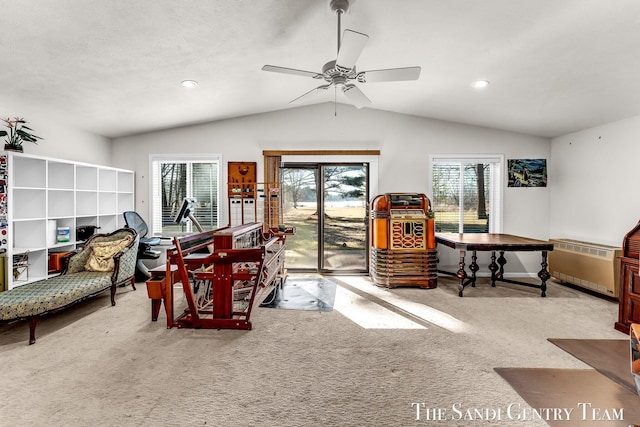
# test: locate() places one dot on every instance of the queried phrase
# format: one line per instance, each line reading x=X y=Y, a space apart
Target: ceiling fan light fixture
x=340 y=81
x=189 y=83
x=480 y=84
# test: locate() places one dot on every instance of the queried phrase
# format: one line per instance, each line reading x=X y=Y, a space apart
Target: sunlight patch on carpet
x=429 y=314
x=368 y=314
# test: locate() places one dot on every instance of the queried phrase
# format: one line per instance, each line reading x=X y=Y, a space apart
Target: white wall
x=593 y=175
x=63 y=139
x=405 y=143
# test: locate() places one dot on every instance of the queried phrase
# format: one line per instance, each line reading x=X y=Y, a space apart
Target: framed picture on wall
x=527 y=172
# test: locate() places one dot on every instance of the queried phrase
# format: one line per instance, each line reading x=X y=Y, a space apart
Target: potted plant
x=18 y=133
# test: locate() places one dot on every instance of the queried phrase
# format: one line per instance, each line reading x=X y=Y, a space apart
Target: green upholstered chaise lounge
x=106 y=261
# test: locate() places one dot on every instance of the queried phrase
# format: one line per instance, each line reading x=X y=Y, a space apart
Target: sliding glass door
x=300 y=209
x=327 y=203
x=345 y=213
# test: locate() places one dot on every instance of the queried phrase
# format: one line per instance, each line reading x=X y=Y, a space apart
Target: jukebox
x=403 y=244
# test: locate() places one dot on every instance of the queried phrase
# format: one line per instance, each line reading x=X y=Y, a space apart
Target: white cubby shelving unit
x=43 y=194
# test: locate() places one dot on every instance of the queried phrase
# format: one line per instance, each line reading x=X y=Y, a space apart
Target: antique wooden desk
x=473 y=242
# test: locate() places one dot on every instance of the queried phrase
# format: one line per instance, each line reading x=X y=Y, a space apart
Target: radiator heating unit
x=588 y=265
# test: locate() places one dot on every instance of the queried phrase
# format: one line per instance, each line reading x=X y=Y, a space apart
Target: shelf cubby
x=86 y=203
x=29 y=203
x=60 y=203
x=61 y=175
x=107 y=180
x=106 y=203
x=125 y=202
x=29 y=235
x=29 y=172
x=86 y=178
x=125 y=182
x=108 y=223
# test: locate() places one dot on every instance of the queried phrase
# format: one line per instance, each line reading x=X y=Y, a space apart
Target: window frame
x=179 y=158
x=496 y=200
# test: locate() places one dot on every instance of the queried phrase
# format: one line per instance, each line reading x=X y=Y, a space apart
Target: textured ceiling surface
x=114 y=68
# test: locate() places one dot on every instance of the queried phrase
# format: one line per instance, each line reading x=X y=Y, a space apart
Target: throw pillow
x=101 y=256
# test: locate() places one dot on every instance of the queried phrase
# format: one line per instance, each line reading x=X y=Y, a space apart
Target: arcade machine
x=403 y=244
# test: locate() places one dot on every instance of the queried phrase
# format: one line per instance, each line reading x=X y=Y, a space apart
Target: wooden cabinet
x=629 y=302
x=38 y=195
x=241 y=191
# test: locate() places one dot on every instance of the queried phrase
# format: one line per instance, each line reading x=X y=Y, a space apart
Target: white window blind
x=467 y=193
x=178 y=177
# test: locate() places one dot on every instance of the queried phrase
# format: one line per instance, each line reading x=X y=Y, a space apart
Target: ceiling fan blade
x=313 y=92
x=355 y=95
x=350 y=49
x=276 y=69
x=389 y=75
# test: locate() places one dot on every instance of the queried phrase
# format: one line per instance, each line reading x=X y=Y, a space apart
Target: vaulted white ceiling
x=114 y=68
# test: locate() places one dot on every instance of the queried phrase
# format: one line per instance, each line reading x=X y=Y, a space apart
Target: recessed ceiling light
x=480 y=84
x=189 y=83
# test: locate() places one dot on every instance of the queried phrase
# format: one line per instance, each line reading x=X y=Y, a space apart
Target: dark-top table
x=493 y=242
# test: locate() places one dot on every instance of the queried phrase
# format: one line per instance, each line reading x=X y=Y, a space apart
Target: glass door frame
x=307 y=166
x=321 y=224
x=320 y=196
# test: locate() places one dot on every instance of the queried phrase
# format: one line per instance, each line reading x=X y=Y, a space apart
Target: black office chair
x=145 y=247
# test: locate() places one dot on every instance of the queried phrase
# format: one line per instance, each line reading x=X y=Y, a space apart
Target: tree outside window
x=173 y=181
x=466 y=195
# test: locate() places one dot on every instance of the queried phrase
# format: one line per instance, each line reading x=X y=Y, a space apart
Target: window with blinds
x=175 y=179
x=467 y=193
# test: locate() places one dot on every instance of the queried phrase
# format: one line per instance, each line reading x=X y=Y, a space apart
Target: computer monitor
x=186 y=210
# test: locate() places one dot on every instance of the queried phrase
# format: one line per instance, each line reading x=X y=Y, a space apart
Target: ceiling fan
x=341 y=73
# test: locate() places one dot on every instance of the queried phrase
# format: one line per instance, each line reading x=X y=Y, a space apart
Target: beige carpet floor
x=97 y=365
